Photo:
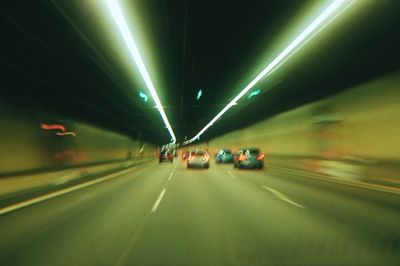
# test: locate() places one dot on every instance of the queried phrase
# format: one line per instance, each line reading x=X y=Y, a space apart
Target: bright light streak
x=199 y=94
x=119 y=19
x=290 y=48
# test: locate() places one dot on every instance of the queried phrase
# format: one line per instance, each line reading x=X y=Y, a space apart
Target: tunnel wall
x=354 y=134
x=27 y=147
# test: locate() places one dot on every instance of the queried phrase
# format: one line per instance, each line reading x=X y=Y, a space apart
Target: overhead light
x=123 y=28
x=318 y=23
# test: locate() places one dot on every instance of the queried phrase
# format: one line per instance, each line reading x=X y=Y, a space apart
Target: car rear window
x=253 y=152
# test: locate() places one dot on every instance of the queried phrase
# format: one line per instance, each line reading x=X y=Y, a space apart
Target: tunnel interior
x=100 y=125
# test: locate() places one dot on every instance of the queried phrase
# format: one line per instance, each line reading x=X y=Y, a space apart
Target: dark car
x=198 y=159
x=166 y=156
x=224 y=156
x=248 y=158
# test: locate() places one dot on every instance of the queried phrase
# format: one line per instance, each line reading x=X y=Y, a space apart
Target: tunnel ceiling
x=57 y=56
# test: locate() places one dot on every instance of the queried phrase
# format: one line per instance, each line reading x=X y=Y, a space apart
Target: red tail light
x=260 y=156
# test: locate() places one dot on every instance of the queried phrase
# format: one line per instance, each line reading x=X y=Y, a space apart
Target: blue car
x=224 y=156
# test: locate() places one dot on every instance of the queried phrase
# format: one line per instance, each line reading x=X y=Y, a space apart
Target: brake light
x=260 y=156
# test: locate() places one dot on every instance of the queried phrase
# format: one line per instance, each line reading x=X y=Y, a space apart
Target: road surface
x=165 y=214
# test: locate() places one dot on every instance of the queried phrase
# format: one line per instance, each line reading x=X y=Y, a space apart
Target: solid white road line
x=283 y=197
x=231 y=175
x=60 y=192
x=155 y=206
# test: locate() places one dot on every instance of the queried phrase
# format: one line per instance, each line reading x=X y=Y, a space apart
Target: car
x=224 y=156
x=198 y=159
x=166 y=155
x=248 y=158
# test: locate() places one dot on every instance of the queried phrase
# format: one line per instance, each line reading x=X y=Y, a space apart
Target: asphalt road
x=168 y=215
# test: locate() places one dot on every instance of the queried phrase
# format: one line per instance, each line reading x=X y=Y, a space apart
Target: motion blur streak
x=119 y=19
x=73 y=134
x=53 y=127
x=333 y=8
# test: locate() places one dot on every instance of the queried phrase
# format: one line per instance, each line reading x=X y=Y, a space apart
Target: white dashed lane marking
x=170 y=176
x=155 y=206
x=231 y=175
x=281 y=196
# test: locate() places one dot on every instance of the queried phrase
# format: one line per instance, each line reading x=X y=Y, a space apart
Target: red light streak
x=53 y=127
x=60 y=127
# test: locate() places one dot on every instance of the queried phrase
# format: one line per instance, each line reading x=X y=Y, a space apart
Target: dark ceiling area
x=56 y=57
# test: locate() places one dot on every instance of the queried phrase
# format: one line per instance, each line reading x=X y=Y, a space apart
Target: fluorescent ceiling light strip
x=306 y=33
x=119 y=19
